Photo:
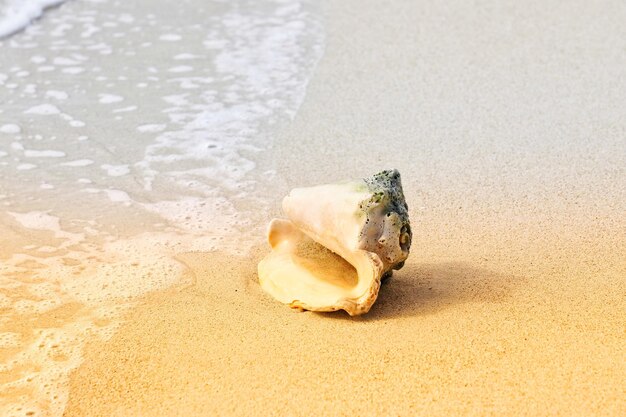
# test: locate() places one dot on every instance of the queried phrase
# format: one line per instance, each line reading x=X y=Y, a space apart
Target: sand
x=507 y=123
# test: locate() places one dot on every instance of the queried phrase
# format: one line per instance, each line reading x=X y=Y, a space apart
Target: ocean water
x=129 y=132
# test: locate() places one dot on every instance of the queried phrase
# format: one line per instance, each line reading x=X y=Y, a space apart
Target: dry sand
x=507 y=123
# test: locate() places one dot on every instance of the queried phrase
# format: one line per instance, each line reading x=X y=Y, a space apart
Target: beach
x=507 y=124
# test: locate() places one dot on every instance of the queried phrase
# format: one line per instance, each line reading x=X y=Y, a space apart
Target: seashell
x=339 y=242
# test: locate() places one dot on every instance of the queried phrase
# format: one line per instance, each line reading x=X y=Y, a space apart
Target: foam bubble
x=30 y=153
x=125 y=109
x=170 y=37
x=78 y=163
x=37 y=220
x=64 y=61
x=185 y=56
x=46 y=68
x=73 y=70
x=10 y=128
x=30 y=89
x=115 y=170
x=151 y=128
x=181 y=68
x=109 y=98
x=43 y=109
x=38 y=59
x=117 y=195
x=25 y=167
x=56 y=94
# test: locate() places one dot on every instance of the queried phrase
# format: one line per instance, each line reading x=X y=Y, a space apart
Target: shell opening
x=305 y=274
x=326 y=266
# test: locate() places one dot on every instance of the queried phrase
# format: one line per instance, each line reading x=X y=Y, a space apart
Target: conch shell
x=340 y=241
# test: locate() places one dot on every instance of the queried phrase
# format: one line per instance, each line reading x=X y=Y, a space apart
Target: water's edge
x=129 y=135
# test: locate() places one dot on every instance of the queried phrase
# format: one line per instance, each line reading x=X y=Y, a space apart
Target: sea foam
x=15 y=15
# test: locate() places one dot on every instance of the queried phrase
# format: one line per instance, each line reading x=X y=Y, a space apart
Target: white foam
x=30 y=89
x=25 y=167
x=185 y=56
x=89 y=31
x=78 y=163
x=170 y=37
x=37 y=220
x=38 y=59
x=29 y=153
x=126 y=18
x=117 y=195
x=73 y=70
x=10 y=128
x=125 y=109
x=115 y=170
x=151 y=128
x=46 y=68
x=64 y=61
x=44 y=109
x=17 y=14
x=109 y=98
x=181 y=68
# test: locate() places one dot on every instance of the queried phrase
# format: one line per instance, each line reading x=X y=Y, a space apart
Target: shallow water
x=128 y=133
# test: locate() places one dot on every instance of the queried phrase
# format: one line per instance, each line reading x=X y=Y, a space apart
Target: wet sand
x=507 y=123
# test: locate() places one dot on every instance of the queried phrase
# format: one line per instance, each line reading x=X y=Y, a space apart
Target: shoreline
x=129 y=133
